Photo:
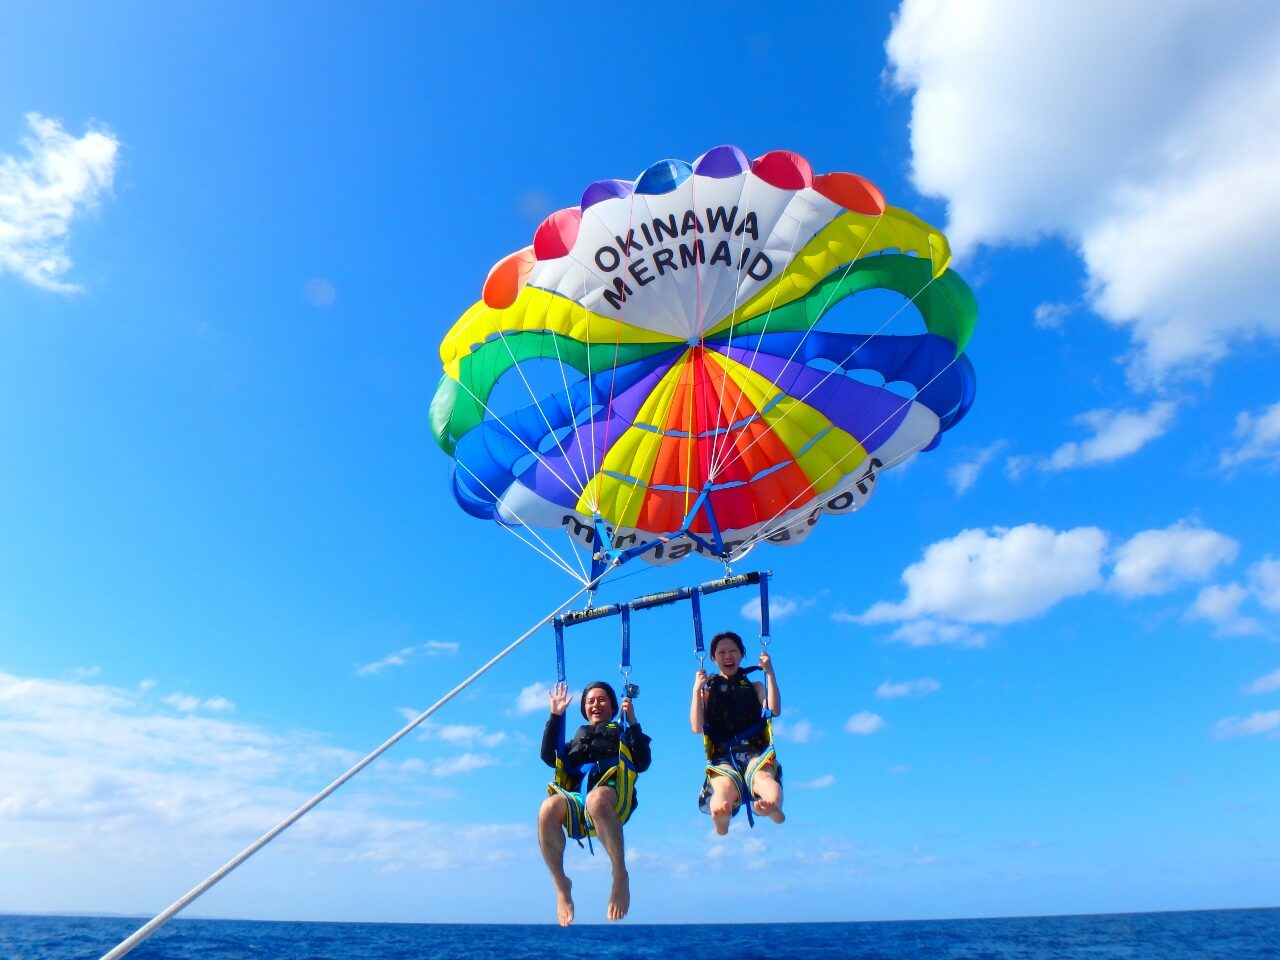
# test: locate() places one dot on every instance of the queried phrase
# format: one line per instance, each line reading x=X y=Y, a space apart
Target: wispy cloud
x=1263 y=722
x=60 y=179
x=780 y=607
x=1157 y=561
x=793 y=731
x=94 y=772
x=921 y=687
x=459 y=734
x=463 y=763
x=190 y=704
x=864 y=722
x=1155 y=167
x=1051 y=316
x=1267 y=684
x=1257 y=437
x=432 y=648
x=817 y=783
x=1264 y=582
x=1116 y=434
x=963 y=476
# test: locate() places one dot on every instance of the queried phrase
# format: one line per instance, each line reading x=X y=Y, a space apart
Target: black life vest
x=732 y=707
x=596 y=744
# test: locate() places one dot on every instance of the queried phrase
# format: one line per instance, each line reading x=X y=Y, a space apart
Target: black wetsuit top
x=595 y=744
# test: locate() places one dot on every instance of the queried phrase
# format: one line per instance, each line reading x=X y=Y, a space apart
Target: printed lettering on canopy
x=703 y=401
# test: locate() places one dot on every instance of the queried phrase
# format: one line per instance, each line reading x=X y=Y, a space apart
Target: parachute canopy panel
x=702 y=404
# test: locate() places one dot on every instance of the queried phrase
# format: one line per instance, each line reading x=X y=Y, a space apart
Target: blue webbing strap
x=560 y=674
x=764 y=609
x=695 y=601
x=626 y=639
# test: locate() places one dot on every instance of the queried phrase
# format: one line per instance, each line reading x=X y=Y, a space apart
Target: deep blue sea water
x=1202 y=935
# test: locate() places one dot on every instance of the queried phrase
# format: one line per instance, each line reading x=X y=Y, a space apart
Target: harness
x=736 y=720
x=574 y=781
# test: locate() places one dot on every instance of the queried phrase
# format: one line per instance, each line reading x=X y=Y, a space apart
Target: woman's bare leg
x=551 y=840
x=768 y=793
x=724 y=797
x=600 y=803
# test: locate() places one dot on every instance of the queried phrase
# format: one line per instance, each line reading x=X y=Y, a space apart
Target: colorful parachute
x=698 y=402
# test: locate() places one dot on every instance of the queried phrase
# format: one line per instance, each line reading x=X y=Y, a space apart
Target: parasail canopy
x=685 y=383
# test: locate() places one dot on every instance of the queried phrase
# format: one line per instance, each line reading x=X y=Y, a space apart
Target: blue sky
x=1038 y=674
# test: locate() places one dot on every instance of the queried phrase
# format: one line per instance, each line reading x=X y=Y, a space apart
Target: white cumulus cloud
x=1264 y=581
x=1143 y=134
x=780 y=607
x=1156 y=561
x=920 y=687
x=864 y=722
x=40 y=194
x=1116 y=434
x=996 y=576
x=793 y=731
x=1257 y=437
x=1220 y=605
x=533 y=698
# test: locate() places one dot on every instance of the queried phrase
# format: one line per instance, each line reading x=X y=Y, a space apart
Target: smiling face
x=596 y=705
x=727 y=655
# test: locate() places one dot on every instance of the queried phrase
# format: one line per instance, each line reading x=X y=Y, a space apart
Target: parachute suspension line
x=840 y=366
x=568 y=399
x=776 y=381
x=549 y=552
x=577 y=555
x=830 y=296
x=717 y=444
x=777 y=291
x=520 y=440
x=538 y=404
x=613 y=374
x=166 y=915
x=766 y=530
x=637 y=485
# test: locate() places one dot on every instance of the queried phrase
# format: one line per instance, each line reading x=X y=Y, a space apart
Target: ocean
x=1198 y=935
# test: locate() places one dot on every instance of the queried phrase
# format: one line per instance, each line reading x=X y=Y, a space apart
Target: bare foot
x=619 y=897
x=564 y=902
x=721 y=814
x=767 y=808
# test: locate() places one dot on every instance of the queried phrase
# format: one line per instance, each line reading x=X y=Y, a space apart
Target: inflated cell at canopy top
x=703 y=401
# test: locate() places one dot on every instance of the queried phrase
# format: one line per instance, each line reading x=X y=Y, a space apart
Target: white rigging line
x=166 y=915
x=520 y=440
x=827 y=376
x=764 y=531
x=777 y=291
x=538 y=405
x=737 y=290
x=550 y=551
x=809 y=329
